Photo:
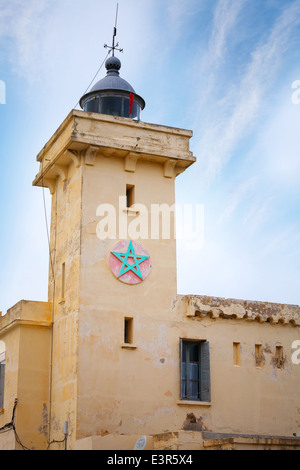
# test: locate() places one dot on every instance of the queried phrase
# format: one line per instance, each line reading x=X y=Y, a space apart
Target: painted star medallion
x=129 y=262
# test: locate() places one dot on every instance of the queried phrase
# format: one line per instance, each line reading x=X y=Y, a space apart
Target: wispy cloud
x=280 y=144
x=287 y=243
x=21 y=25
x=237 y=197
x=179 y=14
x=225 y=17
x=258 y=213
x=232 y=116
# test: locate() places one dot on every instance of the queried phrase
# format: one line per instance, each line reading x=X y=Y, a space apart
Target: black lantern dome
x=113 y=95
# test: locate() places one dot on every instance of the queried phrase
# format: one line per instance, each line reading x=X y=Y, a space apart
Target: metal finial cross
x=114 y=46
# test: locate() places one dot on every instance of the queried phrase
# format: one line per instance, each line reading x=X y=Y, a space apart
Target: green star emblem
x=126 y=266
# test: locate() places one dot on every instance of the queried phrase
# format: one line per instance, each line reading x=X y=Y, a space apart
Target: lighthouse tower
x=112 y=276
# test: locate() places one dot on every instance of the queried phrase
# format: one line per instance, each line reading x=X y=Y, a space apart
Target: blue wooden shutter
x=205 y=372
x=182 y=372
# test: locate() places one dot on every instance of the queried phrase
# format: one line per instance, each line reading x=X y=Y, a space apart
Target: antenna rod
x=114 y=46
x=116 y=16
x=115 y=31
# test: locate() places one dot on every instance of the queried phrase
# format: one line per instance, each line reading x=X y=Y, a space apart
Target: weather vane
x=114 y=46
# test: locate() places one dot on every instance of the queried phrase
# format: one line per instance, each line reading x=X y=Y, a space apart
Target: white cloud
x=280 y=145
x=21 y=23
x=230 y=118
x=251 y=245
x=179 y=15
x=239 y=194
x=282 y=242
x=225 y=18
x=258 y=214
x=50 y=39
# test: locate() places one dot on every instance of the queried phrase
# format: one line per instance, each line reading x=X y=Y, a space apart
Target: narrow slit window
x=129 y=195
x=63 y=280
x=237 y=354
x=128 y=330
x=279 y=357
x=258 y=355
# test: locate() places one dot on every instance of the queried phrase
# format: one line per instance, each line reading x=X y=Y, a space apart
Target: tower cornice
x=82 y=136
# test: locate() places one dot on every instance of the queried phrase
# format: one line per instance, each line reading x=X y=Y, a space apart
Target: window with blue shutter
x=195 y=370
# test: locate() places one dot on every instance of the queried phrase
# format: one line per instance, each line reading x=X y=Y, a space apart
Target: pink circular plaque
x=129 y=262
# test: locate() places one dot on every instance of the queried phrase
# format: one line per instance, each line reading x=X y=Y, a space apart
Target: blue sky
x=222 y=68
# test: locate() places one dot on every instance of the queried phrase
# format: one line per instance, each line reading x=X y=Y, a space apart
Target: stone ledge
x=28 y=313
x=207 y=440
x=193 y=403
x=214 y=441
x=83 y=136
x=218 y=307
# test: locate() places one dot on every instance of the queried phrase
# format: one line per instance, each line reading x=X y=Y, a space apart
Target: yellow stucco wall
x=65 y=248
x=139 y=388
x=87 y=178
x=26 y=333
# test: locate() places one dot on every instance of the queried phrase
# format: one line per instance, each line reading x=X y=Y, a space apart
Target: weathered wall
x=192 y=440
x=247 y=398
x=107 y=372
x=65 y=249
x=139 y=388
x=7 y=440
x=26 y=332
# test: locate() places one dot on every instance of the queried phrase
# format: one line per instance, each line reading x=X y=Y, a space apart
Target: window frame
x=97 y=103
x=203 y=362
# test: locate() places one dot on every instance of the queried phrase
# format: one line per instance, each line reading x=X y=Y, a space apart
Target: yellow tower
x=112 y=274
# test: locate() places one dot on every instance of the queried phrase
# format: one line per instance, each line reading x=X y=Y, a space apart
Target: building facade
x=116 y=353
